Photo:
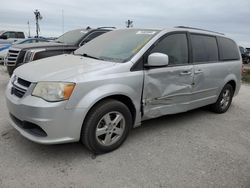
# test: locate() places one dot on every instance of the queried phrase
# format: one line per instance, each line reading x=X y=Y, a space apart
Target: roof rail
x=106 y=28
x=185 y=27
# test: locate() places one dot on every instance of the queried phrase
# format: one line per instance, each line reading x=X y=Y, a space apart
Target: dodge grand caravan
x=119 y=79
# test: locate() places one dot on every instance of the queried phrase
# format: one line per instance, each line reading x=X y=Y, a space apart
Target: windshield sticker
x=145 y=32
x=138 y=47
x=83 y=31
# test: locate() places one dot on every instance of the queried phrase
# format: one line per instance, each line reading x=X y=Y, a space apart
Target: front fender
x=105 y=91
x=99 y=93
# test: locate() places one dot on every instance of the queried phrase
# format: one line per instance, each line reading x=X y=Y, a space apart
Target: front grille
x=29 y=127
x=12 y=57
x=19 y=87
x=23 y=82
x=17 y=92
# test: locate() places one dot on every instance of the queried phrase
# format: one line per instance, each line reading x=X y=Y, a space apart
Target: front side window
x=117 y=46
x=204 y=48
x=175 y=46
x=12 y=35
x=7 y=34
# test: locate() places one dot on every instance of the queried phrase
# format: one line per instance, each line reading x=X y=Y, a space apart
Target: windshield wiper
x=57 y=41
x=86 y=55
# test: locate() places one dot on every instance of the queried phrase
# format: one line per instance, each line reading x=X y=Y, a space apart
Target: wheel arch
x=119 y=97
x=233 y=81
x=233 y=84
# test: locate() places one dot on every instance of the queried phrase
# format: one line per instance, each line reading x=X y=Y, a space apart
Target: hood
x=60 y=68
x=40 y=45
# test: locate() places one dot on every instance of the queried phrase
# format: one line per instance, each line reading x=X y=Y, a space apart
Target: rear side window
x=175 y=46
x=228 y=49
x=205 y=48
x=20 y=35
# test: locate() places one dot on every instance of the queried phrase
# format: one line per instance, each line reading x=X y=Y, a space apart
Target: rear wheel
x=107 y=126
x=224 y=101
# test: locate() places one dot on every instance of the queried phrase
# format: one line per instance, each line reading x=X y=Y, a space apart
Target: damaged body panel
x=167 y=90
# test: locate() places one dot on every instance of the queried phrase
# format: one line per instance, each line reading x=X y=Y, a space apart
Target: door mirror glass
x=157 y=60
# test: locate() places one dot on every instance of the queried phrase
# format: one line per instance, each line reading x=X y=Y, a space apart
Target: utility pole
x=28 y=27
x=38 y=17
x=129 y=23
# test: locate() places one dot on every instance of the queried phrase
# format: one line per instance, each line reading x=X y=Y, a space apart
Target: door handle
x=183 y=73
x=198 y=72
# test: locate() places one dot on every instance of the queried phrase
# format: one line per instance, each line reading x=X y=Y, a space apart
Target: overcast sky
x=231 y=17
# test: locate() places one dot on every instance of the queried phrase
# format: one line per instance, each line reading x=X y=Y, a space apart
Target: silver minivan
x=121 y=78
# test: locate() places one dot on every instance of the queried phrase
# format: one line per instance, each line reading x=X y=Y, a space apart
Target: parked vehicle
x=11 y=36
x=121 y=78
x=2 y=41
x=66 y=44
x=245 y=55
x=4 y=48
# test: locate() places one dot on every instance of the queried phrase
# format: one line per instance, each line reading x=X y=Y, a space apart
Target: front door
x=168 y=89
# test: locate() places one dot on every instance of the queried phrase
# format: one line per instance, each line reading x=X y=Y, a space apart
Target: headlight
x=30 y=54
x=53 y=91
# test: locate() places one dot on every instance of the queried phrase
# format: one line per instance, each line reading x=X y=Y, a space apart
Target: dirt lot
x=193 y=149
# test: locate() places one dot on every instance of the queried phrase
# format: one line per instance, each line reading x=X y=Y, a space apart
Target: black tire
x=96 y=116
x=220 y=107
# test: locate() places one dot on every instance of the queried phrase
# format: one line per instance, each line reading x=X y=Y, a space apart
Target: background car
x=245 y=55
x=4 y=48
x=65 y=44
x=11 y=36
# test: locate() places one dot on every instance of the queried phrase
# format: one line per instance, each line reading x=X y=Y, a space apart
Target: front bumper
x=61 y=125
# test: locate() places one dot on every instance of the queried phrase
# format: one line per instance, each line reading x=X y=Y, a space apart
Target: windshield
x=118 y=46
x=72 y=37
x=20 y=41
x=1 y=32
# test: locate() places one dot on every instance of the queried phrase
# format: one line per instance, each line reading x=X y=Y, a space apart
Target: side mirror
x=3 y=37
x=157 y=60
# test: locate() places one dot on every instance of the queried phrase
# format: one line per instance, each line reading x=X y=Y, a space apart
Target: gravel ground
x=193 y=149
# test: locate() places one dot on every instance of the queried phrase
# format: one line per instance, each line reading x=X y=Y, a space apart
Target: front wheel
x=106 y=126
x=224 y=100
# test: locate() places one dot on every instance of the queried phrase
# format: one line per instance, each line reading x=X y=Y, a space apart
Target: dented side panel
x=167 y=90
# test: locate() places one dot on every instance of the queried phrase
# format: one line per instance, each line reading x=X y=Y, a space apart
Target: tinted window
x=175 y=46
x=204 y=48
x=241 y=50
x=20 y=35
x=228 y=49
x=10 y=34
